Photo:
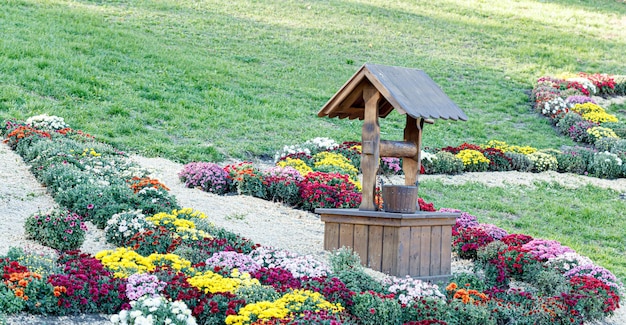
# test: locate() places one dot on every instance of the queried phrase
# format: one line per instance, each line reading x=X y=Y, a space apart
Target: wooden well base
x=417 y=244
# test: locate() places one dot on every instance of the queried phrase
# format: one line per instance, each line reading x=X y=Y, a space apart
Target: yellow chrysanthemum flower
x=472 y=157
x=587 y=108
x=212 y=282
x=293 y=302
x=526 y=150
x=599 y=132
x=297 y=164
x=600 y=117
x=123 y=262
x=497 y=144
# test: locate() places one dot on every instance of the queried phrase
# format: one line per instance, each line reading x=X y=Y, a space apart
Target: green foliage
x=59 y=229
x=252 y=185
x=606 y=165
x=345 y=264
x=256 y=293
x=158 y=240
x=498 y=161
x=469 y=314
x=520 y=162
x=9 y=303
x=40 y=263
x=40 y=298
x=487 y=253
x=344 y=259
x=550 y=282
x=152 y=201
x=284 y=191
x=619 y=147
x=606 y=144
x=358 y=281
x=571 y=162
x=475 y=282
x=190 y=253
x=371 y=309
x=620 y=85
x=63 y=177
x=98 y=203
x=444 y=163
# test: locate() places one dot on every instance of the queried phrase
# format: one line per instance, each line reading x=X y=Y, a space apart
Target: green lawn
x=208 y=80
x=587 y=219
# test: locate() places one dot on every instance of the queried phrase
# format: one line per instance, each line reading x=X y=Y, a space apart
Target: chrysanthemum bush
x=124 y=225
x=208 y=176
x=297 y=265
x=282 y=184
x=155 y=310
x=142 y=284
x=46 y=122
x=323 y=190
x=229 y=260
x=57 y=228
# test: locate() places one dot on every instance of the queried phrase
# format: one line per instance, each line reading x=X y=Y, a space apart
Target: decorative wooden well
x=395 y=243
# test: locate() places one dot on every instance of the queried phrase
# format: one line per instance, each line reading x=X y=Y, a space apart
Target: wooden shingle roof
x=409 y=91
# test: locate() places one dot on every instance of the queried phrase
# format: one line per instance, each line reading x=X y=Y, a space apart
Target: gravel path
x=259 y=220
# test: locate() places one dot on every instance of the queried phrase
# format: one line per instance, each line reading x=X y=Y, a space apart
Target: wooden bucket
x=400 y=198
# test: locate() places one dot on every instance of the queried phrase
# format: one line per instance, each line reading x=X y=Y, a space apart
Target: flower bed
x=173 y=266
x=567 y=102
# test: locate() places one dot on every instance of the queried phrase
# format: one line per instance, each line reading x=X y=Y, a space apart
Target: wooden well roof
x=409 y=91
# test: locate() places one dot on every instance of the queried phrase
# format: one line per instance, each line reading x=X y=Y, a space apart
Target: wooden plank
x=390 y=251
x=416 y=242
x=361 y=240
x=446 y=250
x=425 y=251
x=404 y=251
x=355 y=95
x=326 y=212
x=393 y=222
x=374 y=248
x=435 y=250
x=346 y=235
x=331 y=236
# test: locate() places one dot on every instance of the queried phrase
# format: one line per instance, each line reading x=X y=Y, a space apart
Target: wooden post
x=412 y=165
x=370 y=156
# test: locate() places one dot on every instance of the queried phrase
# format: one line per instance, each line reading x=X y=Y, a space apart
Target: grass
x=209 y=80
x=588 y=219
